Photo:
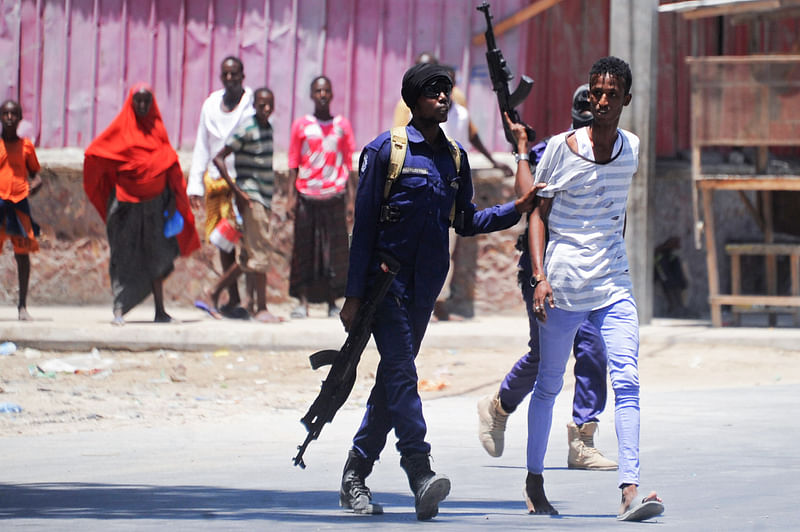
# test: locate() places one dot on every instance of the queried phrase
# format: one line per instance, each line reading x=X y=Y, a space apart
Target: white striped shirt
x=585 y=261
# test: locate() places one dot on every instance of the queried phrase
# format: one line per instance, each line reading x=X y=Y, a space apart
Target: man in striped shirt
x=251 y=144
x=583 y=274
x=589 y=349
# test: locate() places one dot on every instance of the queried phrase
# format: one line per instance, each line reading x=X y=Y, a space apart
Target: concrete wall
x=72 y=265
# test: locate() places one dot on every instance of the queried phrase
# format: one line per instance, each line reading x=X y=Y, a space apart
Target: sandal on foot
x=214 y=313
x=299 y=313
x=264 y=316
x=641 y=510
x=535 y=499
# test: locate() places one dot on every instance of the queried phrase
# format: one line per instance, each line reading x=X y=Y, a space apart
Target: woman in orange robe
x=132 y=176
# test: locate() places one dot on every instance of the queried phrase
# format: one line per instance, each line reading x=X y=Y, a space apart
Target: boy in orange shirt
x=19 y=178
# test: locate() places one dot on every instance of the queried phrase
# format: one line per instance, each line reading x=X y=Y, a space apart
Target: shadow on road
x=75 y=500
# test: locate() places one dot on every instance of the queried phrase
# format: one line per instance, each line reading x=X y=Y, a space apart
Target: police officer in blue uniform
x=411 y=224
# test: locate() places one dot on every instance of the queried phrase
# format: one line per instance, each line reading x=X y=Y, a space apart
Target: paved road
x=723 y=459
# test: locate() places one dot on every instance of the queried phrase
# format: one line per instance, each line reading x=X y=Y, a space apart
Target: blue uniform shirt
x=422 y=195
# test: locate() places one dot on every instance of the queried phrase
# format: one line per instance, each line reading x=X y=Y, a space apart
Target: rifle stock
x=337 y=386
x=500 y=74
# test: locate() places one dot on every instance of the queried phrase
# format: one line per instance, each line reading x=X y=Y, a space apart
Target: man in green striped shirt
x=251 y=144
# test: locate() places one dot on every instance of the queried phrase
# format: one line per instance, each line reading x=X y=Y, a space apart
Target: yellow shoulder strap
x=455 y=152
x=397 y=156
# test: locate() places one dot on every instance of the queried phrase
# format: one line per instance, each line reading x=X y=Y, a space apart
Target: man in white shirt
x=222 y=111
x=584 y=275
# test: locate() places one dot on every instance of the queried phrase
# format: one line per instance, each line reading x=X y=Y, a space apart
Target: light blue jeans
x=618 y=324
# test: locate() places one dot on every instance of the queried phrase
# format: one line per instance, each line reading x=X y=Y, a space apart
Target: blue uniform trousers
x=394 y=401
x=590 y=363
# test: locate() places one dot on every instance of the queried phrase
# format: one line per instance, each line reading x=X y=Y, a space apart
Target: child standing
x=251 y=145
x=19 y=178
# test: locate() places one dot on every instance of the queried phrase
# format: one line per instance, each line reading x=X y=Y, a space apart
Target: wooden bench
x=770 y=252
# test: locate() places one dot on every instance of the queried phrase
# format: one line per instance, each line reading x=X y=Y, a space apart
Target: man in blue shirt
x=411 y=224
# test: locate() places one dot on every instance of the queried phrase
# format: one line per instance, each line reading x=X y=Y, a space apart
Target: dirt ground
x=70 y=392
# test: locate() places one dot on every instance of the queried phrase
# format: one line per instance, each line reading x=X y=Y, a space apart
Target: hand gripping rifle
x=501 y=75
x=342 y=375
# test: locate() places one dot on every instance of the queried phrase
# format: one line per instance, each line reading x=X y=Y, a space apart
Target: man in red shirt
x=320 y=159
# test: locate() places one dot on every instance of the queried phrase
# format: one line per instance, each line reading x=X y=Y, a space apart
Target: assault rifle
x=342 y=375
x=501 y=75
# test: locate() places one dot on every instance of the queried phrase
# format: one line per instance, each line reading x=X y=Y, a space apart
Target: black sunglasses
x=432 y=90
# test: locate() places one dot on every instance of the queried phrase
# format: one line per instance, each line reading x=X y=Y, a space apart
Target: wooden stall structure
x=746 y=101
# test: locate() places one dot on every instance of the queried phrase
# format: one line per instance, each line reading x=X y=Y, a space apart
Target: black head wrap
x=417 y=77
x=581 y=110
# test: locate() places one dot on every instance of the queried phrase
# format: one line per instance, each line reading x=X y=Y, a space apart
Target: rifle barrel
x=489 y=33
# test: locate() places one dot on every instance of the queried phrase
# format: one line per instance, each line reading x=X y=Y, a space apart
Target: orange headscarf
x=141 y=145
x=134 y=158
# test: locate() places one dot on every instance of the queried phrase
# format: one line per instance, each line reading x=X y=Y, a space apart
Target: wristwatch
x=521 y=157
x=536 y=279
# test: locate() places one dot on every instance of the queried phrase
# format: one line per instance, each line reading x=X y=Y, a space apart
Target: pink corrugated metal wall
x=70 y=62
x=563 y=43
